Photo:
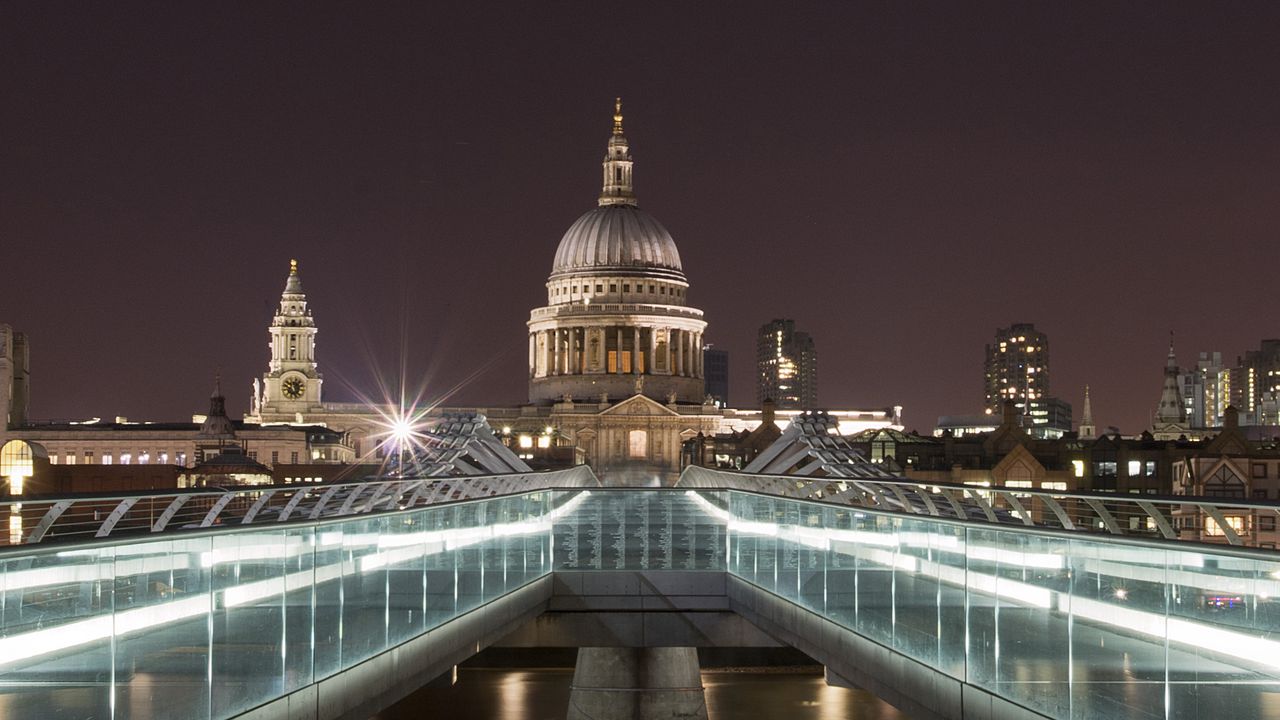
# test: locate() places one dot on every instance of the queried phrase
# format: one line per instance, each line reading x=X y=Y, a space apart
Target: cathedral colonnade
x=615 y=350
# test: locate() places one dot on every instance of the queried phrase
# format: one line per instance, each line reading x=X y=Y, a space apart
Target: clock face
x=293 y=388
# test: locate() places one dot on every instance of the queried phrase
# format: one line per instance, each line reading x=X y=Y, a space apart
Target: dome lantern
x=618 y=189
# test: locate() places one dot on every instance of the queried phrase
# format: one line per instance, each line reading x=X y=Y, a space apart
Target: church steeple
x=292 y=381
x=1171 y=409
x=1088 y=431
x=618 y=189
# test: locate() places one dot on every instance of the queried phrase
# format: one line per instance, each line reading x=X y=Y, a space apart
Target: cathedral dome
x=619 y=238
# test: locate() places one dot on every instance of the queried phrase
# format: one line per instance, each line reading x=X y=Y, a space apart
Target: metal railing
x=84 y=517
x=1196 y=518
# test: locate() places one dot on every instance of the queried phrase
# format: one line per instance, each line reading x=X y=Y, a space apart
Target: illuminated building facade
x=1206 y=391
x=616 y=378
x=1017 y=369
x=786 y=366
x=617 y=321
x=291 y=385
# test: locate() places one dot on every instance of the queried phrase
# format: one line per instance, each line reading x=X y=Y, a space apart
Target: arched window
x=638 y=444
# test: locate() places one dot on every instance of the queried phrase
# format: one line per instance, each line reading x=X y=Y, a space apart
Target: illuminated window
x=1058 y=485
x=69 y=459
x=88 y=457
x=638 y=444
x=544 y=441
x=1018 y=483
x=106 y=458
x=125 y=458
x=526 y=441
x=1135 y=468
x=1235 y=522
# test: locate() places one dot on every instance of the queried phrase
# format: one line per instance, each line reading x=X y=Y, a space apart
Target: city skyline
x=161 y=173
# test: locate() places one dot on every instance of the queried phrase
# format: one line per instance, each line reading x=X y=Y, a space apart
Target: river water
x=543 y=694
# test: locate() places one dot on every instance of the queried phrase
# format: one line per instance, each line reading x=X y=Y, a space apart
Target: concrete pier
x=616 y=683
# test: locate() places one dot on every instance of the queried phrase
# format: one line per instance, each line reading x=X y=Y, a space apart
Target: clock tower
x=291 y=385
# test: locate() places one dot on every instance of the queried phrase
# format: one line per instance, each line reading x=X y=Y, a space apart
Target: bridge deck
x=218 y=623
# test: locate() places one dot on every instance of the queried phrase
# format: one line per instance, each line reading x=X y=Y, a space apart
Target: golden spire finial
x=293 y=266
x=617 y=116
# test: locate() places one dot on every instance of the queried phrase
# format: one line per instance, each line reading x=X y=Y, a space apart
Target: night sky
x=899 y=178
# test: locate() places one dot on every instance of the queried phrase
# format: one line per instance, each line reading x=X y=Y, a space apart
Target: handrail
x=85 y=517
x=1171 y=517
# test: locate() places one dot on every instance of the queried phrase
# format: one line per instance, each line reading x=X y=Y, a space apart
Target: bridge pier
x=616 y=683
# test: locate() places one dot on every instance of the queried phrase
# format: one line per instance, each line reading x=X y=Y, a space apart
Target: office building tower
x=715 y=370
x=787 y=367
x=1017 y=370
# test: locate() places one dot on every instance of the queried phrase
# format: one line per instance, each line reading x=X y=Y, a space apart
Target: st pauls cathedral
x=615 y=362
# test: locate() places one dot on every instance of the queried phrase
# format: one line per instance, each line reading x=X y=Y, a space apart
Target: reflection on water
x=521 y=694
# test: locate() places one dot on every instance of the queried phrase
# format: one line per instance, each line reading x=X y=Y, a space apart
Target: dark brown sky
x=900 y=178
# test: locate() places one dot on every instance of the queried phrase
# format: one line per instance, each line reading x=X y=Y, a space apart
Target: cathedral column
x=549 y=350
x=652 y=357
x=618 y=354
x=697 y=354
x=635 y=353
x=555 y=352
x=690 y=357
x=561 y=342
x=533 y=354
x=575 y=362
x=677 y=342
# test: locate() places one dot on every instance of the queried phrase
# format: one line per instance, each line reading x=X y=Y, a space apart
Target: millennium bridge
x=334 y=601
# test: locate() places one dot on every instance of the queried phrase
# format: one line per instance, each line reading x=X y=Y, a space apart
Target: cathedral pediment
x=640 y=405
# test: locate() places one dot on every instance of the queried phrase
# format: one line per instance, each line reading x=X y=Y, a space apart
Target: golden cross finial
x=293 y=267
x=617 y=116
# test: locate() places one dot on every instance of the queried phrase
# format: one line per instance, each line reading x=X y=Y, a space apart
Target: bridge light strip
x=1188 y=633
x=35 y=643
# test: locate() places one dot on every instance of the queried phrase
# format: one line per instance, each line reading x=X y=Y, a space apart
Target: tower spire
x=293 y=285
x=1171 y=410
x=1088 y=430
x=617 y=165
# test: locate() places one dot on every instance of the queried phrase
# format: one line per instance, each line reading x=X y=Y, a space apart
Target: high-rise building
x=15 y=377
x=1017 y=369
x=1206 y=391
x=786 y=367
x=1263 y=366
x=715 y=369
